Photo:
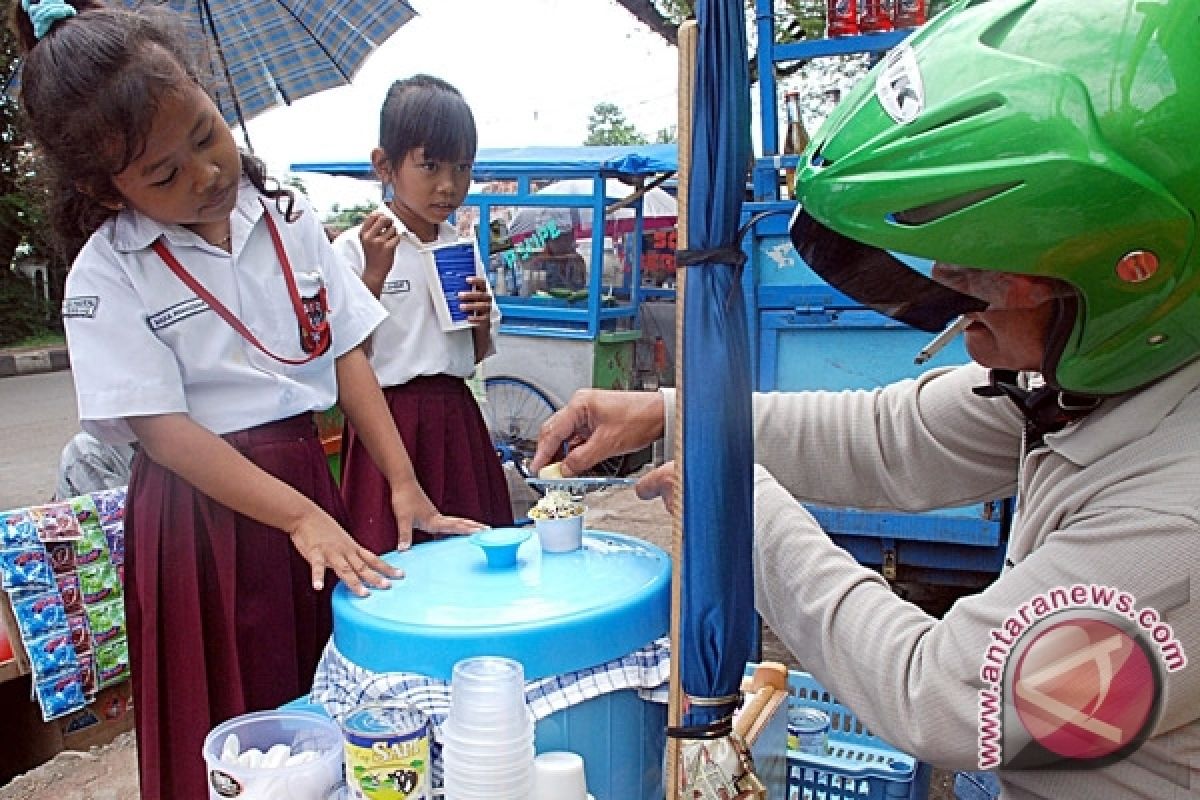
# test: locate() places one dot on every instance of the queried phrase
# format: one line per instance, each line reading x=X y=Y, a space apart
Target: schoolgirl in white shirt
x=427 y=148
x=206 y=319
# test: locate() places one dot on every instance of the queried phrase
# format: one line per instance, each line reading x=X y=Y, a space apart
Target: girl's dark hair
x=424 y=111
x=91 y=88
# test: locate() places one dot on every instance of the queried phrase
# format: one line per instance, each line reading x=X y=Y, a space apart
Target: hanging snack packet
x=112 y=662
x=68 y=589
x=26 y=568
x=60 y=694
x=114 y=535
x=56 y=522
x=110 y=504
x=62 y=557
x=81 y=632
x=106 y=621
x=99 y=582
x=18 y=531
x=39 y=613
x=91 y=547
x=51 y=654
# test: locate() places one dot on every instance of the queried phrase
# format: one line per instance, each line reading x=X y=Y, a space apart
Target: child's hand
x=379 y=238
x=413 y=509
x=477 y=302
x=325 y=545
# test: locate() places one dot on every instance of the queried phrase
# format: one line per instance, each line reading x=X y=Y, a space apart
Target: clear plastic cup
x=515 y=784
x=487 y=696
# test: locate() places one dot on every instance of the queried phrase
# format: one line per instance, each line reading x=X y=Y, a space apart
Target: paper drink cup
x=450 y=264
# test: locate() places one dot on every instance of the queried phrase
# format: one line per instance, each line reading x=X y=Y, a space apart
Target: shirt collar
x=134 y=231
x=445 y=231
x=1123 y=419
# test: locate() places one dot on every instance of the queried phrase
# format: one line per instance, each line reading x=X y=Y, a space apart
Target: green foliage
x=22 y=316
x=607 y=126
x=339 y=219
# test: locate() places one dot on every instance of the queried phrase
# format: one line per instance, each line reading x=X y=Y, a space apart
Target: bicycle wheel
x=514 y=412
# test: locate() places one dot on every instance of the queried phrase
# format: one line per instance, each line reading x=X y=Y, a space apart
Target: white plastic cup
x=560 y=535
x=558 y=775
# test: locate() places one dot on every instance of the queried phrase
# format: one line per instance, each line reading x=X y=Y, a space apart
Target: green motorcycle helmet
x=1039 y=137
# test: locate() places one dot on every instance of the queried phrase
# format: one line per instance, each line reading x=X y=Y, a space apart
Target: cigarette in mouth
x=941 y=340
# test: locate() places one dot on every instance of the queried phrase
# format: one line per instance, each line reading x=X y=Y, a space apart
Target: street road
x=38 y=417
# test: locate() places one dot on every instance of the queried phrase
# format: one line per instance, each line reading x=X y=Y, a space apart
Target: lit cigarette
x=941 y=340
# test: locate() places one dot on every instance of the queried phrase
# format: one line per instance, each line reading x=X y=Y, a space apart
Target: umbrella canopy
x=718 y=623
x=266 y=53
x=659 y=209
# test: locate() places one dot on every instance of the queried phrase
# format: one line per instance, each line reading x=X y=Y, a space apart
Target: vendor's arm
x=911 y=446
x=217 y=469
x=362 y=401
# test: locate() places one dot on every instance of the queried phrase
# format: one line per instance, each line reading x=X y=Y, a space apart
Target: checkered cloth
x=340 y=685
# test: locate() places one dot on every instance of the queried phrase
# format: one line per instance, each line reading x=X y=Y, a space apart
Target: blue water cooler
x=556 y=613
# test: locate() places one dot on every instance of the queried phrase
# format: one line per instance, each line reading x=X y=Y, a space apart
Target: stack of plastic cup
x=487 y=741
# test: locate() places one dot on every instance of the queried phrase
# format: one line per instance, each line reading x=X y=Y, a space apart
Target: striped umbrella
x=267 y=53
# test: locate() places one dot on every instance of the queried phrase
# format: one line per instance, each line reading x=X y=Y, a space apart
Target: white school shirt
x=411 y=342
x=142 y=342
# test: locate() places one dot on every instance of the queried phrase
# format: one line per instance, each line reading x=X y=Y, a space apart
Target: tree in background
x=23 y=313
x=607 y=125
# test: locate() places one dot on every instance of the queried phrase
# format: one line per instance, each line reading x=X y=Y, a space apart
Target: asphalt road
x=39 y=416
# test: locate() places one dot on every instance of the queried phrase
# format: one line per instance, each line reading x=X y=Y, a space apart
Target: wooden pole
x=688 y=35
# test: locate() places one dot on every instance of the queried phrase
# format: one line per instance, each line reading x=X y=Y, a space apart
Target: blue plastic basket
x=857 y=765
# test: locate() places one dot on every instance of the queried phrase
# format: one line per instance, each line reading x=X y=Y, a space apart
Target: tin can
x=808 y=730
x=387 y=752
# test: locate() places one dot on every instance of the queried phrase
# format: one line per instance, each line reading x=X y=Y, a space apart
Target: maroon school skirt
x=222 y=617
x=452 y=454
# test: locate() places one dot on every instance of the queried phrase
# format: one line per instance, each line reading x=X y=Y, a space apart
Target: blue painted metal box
x=807 y=335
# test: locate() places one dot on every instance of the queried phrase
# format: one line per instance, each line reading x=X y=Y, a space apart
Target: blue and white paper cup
x=452 y=263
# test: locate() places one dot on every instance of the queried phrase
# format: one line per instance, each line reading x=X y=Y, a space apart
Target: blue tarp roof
x=550 y=162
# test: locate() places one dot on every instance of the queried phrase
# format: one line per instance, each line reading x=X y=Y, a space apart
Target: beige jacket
x=1112 y=501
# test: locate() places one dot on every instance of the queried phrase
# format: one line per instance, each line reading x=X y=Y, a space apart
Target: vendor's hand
x=379 y=238
x=659 y=482
x=477 y=302
x=413 y=509
x=325 y=545
x=598 y=424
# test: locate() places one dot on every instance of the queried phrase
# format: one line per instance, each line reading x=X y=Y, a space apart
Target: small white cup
x=560 y=535
x=558 y=775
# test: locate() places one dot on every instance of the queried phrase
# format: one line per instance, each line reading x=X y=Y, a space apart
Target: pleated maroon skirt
x=222 y=618
x=452 y=454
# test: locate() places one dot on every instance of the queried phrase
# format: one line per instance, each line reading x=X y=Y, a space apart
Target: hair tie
x=44 y=13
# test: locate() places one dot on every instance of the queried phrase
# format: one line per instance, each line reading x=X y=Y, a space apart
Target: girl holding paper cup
x=427 y=142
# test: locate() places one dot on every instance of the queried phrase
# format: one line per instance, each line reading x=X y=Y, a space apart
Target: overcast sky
x=532 y=71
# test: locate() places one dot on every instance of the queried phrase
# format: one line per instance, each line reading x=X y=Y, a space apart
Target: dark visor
x=877 y=279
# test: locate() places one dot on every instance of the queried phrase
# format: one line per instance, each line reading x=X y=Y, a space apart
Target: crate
x=858 y=764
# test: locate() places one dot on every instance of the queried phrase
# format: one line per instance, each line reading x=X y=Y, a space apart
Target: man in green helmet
x=1043 y=153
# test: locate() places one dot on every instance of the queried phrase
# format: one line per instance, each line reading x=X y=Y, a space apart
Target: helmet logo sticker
x=1137 y=266
x=898 y=85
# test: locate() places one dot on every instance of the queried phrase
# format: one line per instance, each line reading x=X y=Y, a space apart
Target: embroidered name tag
x=396 y=287
x=180 y=311
x=84 y=307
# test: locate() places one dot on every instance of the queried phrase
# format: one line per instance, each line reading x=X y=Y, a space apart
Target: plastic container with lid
x=556 y=613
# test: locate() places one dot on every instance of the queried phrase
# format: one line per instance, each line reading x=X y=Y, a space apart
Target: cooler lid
x=553 y=612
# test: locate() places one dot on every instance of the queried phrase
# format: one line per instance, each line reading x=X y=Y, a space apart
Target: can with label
x=387 y=752
x=808 y=730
